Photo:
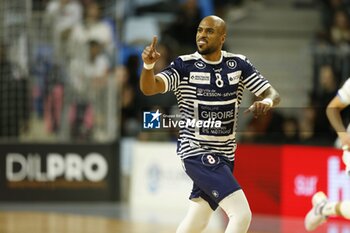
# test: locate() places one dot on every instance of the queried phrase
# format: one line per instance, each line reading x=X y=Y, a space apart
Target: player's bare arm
x=149 y=83
x=270 y=98
x=333 y=111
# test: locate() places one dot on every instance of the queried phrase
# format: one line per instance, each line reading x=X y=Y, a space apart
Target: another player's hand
x=259 y=108
x=150 y=54
x=345 y=140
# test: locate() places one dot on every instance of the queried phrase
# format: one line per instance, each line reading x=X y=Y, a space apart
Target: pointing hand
x=150 y=54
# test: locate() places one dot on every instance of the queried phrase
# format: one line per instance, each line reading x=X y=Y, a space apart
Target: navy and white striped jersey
x=207 y=91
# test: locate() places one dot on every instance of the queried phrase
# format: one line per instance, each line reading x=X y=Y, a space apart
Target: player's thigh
x=197 y=217
x=199 y=208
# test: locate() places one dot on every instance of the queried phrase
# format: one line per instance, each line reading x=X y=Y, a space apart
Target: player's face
x=208 y=38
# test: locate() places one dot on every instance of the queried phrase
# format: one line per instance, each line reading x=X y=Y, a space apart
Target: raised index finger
x=154 y=42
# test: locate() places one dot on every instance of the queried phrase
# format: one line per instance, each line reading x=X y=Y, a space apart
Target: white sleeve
x=344 y=92
x=171 y=75
x=165 y=80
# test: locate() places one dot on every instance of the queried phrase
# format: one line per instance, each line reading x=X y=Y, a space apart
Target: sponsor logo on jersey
x=215 y=193
x=233 y=78
x=224 y=113
x=199 y=64
x=200 y=77
x=208 y=92
x=168 y=72
x=214 y=93
x=231 y=64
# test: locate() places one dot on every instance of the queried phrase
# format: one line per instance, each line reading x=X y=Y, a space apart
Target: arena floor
x=116 y=218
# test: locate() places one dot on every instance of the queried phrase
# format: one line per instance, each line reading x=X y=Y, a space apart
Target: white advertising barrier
x=159 y=186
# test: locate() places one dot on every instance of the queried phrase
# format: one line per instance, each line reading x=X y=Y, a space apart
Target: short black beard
x=206 y=51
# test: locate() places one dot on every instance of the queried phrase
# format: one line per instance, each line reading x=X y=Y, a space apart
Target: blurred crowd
x=79 y=65
x=89 y=64
x=71 y=46
x=331 y=67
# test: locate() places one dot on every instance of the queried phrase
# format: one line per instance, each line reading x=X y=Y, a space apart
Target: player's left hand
x=259 y=108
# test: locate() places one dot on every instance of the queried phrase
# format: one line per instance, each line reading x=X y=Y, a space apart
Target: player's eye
x=210 y=31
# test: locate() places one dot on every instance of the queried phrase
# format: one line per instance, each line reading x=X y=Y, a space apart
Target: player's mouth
x=201 y=42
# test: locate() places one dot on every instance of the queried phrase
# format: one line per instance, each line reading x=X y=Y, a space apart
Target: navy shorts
x=212 y=177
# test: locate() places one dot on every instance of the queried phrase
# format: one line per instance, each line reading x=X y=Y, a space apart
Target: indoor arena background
x=74 y=154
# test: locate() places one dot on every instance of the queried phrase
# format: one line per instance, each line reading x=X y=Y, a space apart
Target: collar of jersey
x=211 y=62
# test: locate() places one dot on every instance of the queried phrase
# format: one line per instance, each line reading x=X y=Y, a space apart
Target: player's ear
x=223 y=38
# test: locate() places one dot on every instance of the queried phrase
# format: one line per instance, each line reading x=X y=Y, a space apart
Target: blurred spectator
x=130 y=112
x=328 y=8
x=307 y=125
x=340 y=30
x=222 y=6
x=290 y=130
x=183 y=30
x=133 y=66
x=130 y=115
x=91 y=28
x=98 y=72
x=152 y=6
x=63 y=15
x=39 y=5
x=41 y=69
x=14 y=101
x=314 y=130
x=327 y=85
x=333 y=40
x=89 y=79
x=53 y=98
x=265 y=129
x=327 y=89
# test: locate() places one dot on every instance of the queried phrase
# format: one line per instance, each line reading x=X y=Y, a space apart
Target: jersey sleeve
x=344 y=92
x=171 y=75
x=252 y=79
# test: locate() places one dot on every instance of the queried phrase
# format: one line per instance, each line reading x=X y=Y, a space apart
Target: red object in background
x=280 y=180
x=258 y=171
x=304 y=173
